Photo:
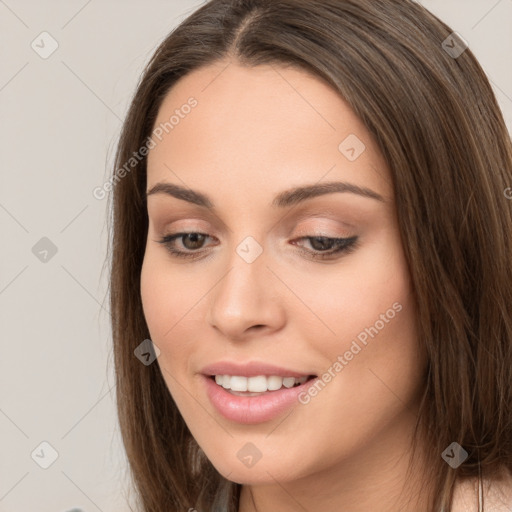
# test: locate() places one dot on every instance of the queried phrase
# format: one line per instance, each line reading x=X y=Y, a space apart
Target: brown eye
x=322 y=243
x=191 y=244
x=327 y=247
x=192 y=241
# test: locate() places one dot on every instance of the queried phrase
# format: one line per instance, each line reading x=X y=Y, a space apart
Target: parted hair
x=438 y=125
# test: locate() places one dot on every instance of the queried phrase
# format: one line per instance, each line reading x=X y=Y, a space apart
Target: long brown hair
x=439 y=127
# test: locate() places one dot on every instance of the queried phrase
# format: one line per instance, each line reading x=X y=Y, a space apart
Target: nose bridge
x=242 y=297
x=240 y=292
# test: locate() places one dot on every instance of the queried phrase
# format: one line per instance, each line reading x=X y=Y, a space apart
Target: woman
x=316 y=213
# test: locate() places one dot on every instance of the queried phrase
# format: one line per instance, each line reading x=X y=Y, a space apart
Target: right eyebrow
x=185 y=194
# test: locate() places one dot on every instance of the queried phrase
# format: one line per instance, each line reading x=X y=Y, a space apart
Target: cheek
x=164 y=300
x=173 y=306
x=172 y=314
x=367 y=296
x=376 y=337
x=157 y=303
x=166 y=295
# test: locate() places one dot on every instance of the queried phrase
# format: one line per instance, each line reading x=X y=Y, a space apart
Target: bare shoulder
x=497 y=495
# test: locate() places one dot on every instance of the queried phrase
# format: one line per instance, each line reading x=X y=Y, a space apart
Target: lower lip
x=253 y=409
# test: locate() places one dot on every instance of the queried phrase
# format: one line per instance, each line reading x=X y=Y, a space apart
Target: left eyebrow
x=282 y=200
x=299 y=194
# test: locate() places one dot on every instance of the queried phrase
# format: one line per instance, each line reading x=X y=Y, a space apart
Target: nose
x=246 y=300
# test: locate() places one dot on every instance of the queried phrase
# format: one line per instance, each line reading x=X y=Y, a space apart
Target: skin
x=497 y=494
x=254 y=133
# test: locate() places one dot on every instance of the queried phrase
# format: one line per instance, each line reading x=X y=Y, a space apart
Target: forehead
x=265 y=127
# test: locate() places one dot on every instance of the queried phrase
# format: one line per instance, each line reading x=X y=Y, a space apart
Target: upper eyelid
x=302 y=213
x=308 y=233
x=349 y=244
x=326 y=216
x=178 y=236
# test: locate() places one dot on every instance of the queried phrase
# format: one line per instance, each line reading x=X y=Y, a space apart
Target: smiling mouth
x=259 y=385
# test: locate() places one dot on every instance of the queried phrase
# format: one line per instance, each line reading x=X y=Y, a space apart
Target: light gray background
x=60 y=119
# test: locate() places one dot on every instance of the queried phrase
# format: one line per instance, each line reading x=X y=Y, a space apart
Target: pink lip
x=253 y=409
x=250 y=369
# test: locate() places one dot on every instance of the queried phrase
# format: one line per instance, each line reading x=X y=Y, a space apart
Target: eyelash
x=345 y=246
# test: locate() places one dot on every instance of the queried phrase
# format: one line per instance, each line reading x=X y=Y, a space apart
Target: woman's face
x=259 y=280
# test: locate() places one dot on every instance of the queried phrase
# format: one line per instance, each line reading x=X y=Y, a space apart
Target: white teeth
x=274 y=383
x=258 y=384
x=254 y=384
x=288 y=382
x=238 y=383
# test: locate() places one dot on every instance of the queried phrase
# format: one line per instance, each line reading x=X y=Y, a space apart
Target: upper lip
x=250 y=369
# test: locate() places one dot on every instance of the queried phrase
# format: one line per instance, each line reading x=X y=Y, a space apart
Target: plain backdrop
x=60 y=119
